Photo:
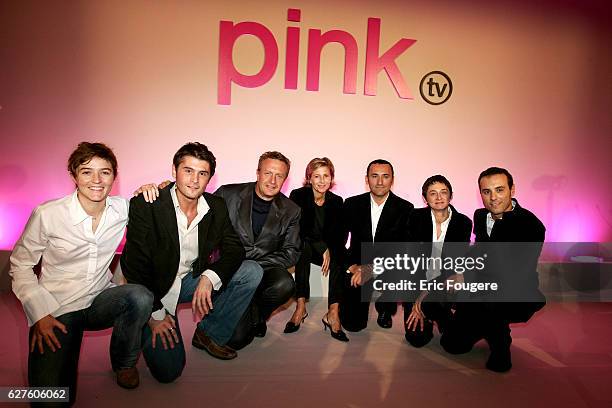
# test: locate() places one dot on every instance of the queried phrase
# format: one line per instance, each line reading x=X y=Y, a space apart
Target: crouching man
x=184 y=249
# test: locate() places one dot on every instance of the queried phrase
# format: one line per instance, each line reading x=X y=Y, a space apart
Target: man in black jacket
x=512 y=261
x=183 y=248
x=376 y=216
x=267 y=223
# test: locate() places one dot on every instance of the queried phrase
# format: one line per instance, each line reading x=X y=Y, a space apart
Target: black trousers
x=302 y=275
x=275 y=289
x=355 y=304
x=473 y=321
x=434 y=311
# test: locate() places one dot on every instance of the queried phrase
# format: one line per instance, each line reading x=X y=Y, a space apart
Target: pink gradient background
x=532 y=92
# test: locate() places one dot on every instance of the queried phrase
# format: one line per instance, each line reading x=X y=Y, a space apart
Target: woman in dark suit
x=437 y=223
x=323 y=238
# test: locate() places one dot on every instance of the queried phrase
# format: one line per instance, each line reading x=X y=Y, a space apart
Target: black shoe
x=291 y=327
x=384 y=320
x=500 y=361
x=339 y=335
x=260 y=329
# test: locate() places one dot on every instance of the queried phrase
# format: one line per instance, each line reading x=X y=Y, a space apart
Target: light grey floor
x=562 y=358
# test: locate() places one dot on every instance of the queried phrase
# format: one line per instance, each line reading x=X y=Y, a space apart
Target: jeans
x=228 y=307
x=125 y=308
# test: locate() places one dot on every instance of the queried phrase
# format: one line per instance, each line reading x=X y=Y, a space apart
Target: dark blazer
x=151 y=254
x=393 y=225
x=459 y=230
x=332 y=235
x=514 y=266
x=518 y=225
x=278 y=244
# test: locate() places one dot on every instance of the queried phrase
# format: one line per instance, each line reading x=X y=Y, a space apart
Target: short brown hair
x=86 y=151
x=438 y=178
x=274 y=155
x=316 y=163
x=197 y=150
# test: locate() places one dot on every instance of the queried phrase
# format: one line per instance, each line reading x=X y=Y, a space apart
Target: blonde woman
x=323 y=243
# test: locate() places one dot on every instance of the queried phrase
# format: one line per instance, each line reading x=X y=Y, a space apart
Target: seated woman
x=77 y=236
x=439 y=222
x=322 y=237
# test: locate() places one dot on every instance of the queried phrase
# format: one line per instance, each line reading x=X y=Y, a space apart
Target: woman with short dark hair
x=76 y=237
x=437 y=223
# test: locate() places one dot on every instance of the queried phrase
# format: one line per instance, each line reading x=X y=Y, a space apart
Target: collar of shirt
x=375 y=212
x=443 y=226
x=373 y=203
x=203 y=208
x=491 y=220
x=78 y=214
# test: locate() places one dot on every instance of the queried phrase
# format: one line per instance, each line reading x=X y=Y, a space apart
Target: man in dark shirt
x=512 y=266
x=267 y=223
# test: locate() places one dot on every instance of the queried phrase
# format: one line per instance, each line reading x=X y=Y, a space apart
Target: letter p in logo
x=227 y=72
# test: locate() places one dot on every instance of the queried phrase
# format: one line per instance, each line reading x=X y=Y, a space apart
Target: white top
x=188 y=241
x=375 y=211
x=75 y=260
x=437 y=243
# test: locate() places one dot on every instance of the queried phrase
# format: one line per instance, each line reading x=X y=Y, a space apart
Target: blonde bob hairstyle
x=316 y=163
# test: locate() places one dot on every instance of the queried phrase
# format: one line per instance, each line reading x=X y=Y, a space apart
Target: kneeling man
x=509 y=226
x=184 y=249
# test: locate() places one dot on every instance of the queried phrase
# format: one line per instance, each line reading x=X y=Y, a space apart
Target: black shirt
x=261 y=208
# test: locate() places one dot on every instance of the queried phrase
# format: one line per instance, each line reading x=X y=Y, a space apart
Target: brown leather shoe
x=128 y=377
x=203 y=342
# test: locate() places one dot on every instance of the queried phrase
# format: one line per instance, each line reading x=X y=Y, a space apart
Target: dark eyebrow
x=91 y=168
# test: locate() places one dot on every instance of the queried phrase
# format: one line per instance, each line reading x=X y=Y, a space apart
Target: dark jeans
x=125 y=308
x=276 y=288
x=228 y=307
x=353 y=311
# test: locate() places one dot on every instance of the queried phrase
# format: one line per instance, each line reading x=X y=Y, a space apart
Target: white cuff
x=159 y=314
x=214 y=278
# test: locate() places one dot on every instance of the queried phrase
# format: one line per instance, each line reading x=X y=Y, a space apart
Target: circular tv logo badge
x=436 y=88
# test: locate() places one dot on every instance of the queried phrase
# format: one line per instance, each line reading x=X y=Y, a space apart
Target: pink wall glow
x=532 y=92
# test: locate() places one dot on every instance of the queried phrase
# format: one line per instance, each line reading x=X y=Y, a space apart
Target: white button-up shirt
x=437 y=243
x=75 y=260
x=375 y=212
x=188 y=241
